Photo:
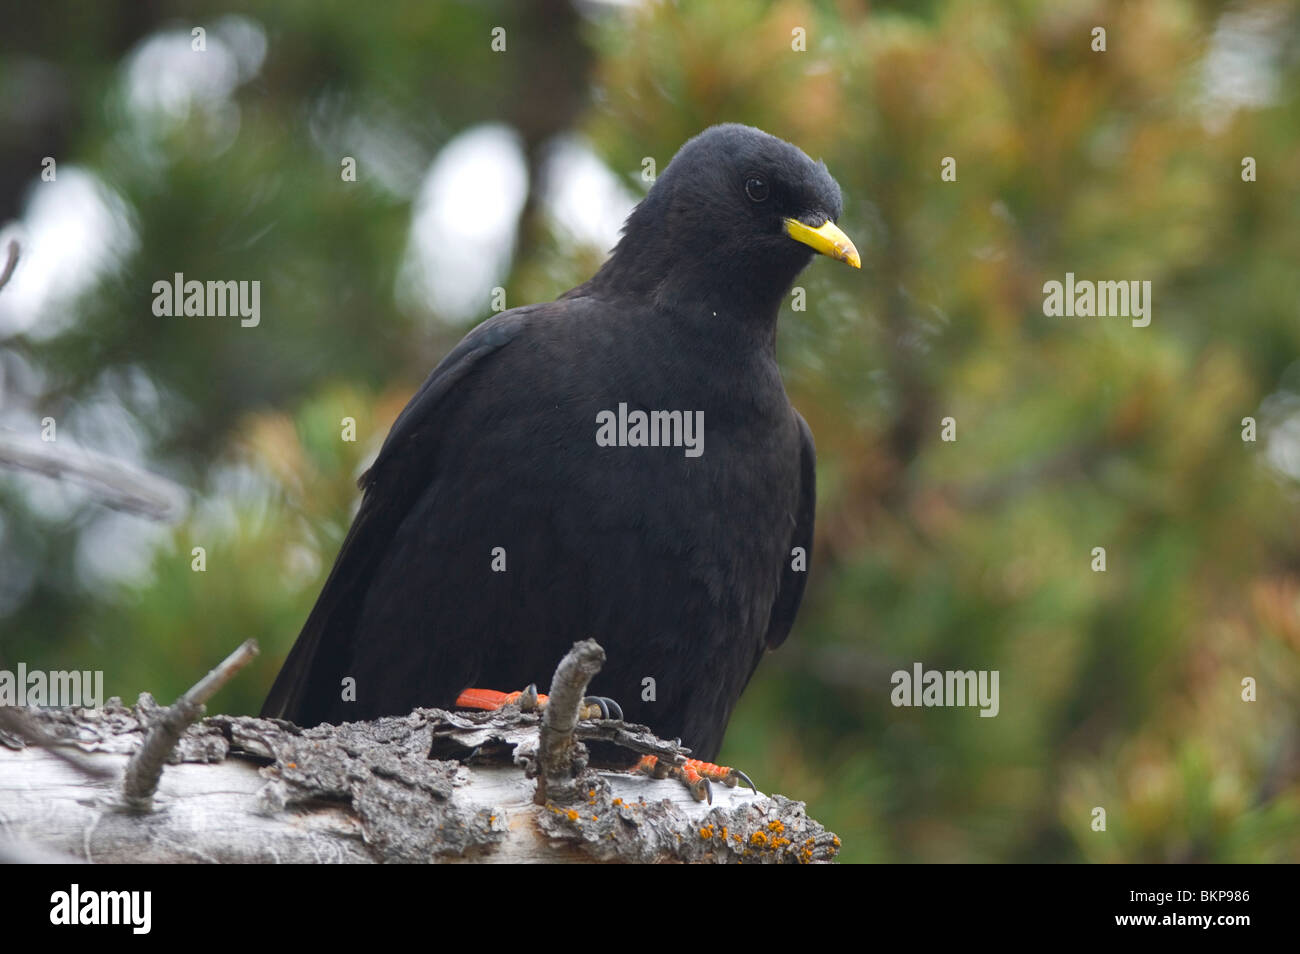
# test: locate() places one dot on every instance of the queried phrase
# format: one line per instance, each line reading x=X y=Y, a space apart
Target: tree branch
x=11 y=262
x=557 y=766
x=115 y=483
x=427 y=786
x=145 y=768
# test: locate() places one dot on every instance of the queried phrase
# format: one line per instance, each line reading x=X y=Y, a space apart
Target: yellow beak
x=826 y=239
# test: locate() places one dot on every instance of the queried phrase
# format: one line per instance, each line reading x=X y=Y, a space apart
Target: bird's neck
x=699 y=289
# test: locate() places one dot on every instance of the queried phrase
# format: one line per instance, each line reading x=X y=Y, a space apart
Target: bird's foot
x=695 y=775
x=530 y=700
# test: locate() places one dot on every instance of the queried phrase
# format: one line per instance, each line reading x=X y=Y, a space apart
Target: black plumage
x=680 y=566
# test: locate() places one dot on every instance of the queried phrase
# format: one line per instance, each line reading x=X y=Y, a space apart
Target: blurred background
x=479 y=167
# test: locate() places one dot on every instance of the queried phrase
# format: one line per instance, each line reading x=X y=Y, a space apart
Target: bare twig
x=145 y=768
x=11 y=262
x=555 y=744
x=115 y=483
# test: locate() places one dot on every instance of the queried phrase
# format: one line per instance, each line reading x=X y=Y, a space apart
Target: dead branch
x=114 y=483
x=429 y=786
x=242 y=789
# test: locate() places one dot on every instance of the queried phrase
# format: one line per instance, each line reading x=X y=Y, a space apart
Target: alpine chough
x=621 y=464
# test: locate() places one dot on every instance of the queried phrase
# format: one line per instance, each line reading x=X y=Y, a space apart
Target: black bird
x=511 y=510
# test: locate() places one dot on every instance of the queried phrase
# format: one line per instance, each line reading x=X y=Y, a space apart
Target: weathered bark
x=241 y=789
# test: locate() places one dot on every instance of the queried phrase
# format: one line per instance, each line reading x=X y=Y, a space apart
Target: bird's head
x=732 y=221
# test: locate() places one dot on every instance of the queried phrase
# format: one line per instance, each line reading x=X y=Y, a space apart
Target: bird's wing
x=792 y=580
x=393 y=483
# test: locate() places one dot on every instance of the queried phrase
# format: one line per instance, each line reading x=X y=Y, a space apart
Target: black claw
x=609 y=709
x=745 y=778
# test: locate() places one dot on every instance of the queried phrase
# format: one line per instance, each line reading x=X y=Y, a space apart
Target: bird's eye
x=756 y=188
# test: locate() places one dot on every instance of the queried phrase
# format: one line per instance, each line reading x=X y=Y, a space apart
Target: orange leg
x=490 y=699
x=593 y=707
x=695 y=774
